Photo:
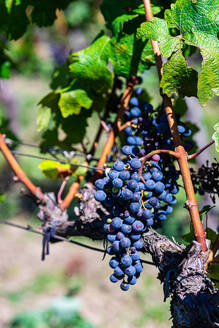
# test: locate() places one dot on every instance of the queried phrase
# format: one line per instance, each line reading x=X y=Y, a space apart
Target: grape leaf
x=215 y=137
x=43 y=118
x=204 y=211
x=5 y=65
x=177 y=77
x=15 y=16
x=129 y=54
x=213 y=270
x=90 y=66
x=117 y=13
x=2 y=198
x=211 y=235
x=71 y=102
x=54 y=170
x=158 y=30
x=75 y=127
x=197 y=22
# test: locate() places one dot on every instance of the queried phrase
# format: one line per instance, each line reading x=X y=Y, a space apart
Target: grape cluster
x=206 y=179
x=137 y=194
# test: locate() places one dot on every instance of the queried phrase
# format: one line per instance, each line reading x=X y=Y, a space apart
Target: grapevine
x=122 y=161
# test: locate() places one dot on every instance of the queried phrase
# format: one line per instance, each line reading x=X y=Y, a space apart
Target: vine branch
x=201 y=150
x=191 y=202
x=36 y=191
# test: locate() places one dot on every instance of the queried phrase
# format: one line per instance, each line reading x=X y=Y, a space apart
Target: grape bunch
x=206 y=179
x=137 y=194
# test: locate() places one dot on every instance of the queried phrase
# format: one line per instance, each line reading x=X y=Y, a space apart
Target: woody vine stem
x=182 y=155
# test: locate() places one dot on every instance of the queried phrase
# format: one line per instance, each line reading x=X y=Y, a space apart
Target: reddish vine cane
x=191 y=202
x=36 y=191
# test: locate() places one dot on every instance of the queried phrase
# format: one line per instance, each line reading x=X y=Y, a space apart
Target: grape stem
x=61 y=189
x=191 y=202
x=201 y=150
x=73 y=189
x=152 y=153
x=36 y=191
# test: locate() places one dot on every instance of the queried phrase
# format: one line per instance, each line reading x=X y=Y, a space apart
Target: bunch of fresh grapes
x=138 y=194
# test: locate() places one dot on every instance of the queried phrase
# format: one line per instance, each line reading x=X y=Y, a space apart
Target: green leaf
x=205 y=211
x=50 y=100
x=119 y=22
x=5 y=70
x=197 y=22
x=78 y=171
x=158 y=30
x=2 y=198
x=73 y=101
x=43 y=118
x=211 y=235
x=75 y=127
x=189 y=237
x=213 y=270
x=177 y=77
x=90 y=66
x=129 y=55
x=15 y=18
x=116 y=13
x=215 y=137
x=51 y=168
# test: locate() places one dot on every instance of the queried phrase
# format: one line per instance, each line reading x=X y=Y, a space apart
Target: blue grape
x=125 y=242
x=138 y=267
x=149 y=222
x=100 y=195
x=129 y=131
x=159 y=187
x=118 y=272
x=113 y=278
x=118 y=183
x=157 y=176
x=138 y=226
x=135 y=112
x=129 y=219
x=130 y=271
x=150 y=184
x=116 y=223
x=134 y=207
x=135 y=176
x=135 y=256
x=99 y=183
x=127 y=150
x=124 y=286
x=126 y=228
x=132 y=280
x=138 y=244
x=124 y=175
x=147 y=214
x=132 y=184
x=135 y=236
x=111 y=237
x=134 y=101
x=113 y=174
x=127 y=194
x=113 y=262
x=135 y=163
x=126 y=260
x=120 y=235
x=119 y=166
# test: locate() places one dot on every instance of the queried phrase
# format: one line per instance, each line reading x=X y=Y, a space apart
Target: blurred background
x=72 y=288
